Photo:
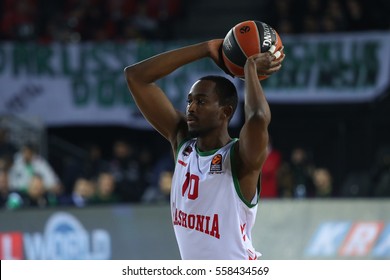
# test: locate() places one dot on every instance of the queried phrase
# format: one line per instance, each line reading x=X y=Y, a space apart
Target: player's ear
x=228 y=111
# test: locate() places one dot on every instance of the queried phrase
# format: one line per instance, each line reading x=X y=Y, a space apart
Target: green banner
x=332 y=68
x=66 y=84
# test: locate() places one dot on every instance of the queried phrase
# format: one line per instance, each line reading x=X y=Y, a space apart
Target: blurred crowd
x=327 y=16
x=298 y=176
x=120 y=20
x=87 y=20
x=129 y=175
x=133 y=175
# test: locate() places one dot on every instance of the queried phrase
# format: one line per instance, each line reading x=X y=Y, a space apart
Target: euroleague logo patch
x=245 y=29
x=216 y=163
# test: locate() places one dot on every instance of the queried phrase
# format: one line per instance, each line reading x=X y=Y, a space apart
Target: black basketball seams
x=231 y=49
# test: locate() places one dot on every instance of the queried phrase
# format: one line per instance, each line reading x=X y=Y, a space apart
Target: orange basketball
x=245 y=39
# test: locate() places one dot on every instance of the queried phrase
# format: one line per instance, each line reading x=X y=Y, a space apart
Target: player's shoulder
x=184 y=144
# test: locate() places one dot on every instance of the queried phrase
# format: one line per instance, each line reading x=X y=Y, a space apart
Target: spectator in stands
x=166 y=13
x=127 y=170
x=28 y=162
x=356 y=183
x=281 y=17
x=147 y=162
x=310 y=24
x=381 y=173
x=285 y=26
x=160 y=185
x=165 y=183
x=7 y=149
x=143 y=22
x=269 y=184
x=37 y=195
x=89 y=168
x=323 y=183
x=4 y=189
x=95 y=21
x=94 y=164
x=285 y=180
x=117 y=12
x=335 y=17
x=105 y=190
x=8 y=199
x=356 y=16
x=302 y=170
x=19 y=20
x=82 y=195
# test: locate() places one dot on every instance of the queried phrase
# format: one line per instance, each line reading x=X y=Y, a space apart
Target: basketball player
x=215 y=187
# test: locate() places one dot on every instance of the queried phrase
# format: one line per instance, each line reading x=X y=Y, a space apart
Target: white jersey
x=211 y=219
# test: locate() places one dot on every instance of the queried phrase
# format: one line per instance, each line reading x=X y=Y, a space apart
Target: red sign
x=11 y=246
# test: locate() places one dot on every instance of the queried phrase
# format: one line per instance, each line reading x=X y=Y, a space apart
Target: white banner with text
x=84 y=84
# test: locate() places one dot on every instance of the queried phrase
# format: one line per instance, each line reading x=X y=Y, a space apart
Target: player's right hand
x=215 y=51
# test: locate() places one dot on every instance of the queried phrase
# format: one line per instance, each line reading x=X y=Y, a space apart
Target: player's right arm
x=151 y=100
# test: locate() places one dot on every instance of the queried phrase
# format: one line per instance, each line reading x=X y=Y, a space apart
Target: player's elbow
x=261 y=117
x=130 y=74
x=138 y=75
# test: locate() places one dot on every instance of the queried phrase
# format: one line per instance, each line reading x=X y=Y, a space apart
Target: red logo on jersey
x=242 y=227
x=11 y=246
x=252 y=255
x=187 y=151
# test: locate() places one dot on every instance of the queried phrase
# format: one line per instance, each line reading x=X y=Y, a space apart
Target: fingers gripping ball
x=245 y=39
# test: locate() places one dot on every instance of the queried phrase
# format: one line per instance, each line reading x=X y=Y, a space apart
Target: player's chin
x=193 y=132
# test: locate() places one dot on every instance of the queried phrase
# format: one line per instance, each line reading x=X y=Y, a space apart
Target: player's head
x=212 y=102
x=29 y=150
x=226 y=91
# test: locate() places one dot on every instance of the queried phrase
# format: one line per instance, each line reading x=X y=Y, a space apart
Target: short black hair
x=225 y=89
x=30 y=146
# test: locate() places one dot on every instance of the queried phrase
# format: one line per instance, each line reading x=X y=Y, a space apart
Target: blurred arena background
x=103 y=176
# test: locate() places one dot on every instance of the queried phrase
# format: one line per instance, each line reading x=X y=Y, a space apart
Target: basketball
x=245 y=39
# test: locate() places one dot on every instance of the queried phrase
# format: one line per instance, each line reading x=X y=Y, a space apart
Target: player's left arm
x=252 y=147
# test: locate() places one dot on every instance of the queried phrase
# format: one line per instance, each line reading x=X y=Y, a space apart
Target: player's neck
x=210 y=142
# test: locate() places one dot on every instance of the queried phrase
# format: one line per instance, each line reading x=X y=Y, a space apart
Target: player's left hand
x=269 y=62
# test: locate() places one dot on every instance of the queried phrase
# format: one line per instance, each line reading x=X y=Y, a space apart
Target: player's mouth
x=191 y=119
